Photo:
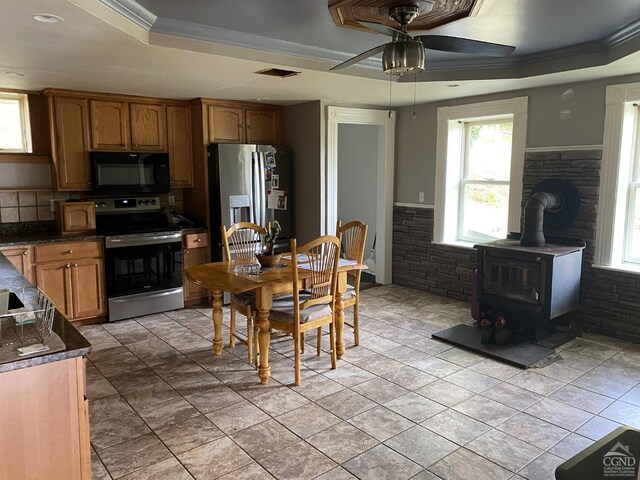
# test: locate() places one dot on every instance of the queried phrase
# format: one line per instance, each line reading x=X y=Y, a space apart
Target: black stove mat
x=518 y=352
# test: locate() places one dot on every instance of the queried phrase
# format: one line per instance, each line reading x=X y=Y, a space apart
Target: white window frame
x=25 y=125
x=619 y=155
x=450 y=161
x=464 y=180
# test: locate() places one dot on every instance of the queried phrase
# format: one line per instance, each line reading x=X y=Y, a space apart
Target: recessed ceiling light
x=47 y=18
x=453 y=85
x=13 y=74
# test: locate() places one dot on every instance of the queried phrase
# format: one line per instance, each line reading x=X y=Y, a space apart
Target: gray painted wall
x=416 y=138
x=304 y=133
x=357 y=176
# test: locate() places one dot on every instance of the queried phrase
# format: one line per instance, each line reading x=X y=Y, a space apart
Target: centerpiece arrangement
x=269 y=258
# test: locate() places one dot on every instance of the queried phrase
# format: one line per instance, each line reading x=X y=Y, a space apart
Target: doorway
x=359 y=169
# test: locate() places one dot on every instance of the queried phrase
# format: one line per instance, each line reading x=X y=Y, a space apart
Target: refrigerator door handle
x=263 y=192
x=255 y=188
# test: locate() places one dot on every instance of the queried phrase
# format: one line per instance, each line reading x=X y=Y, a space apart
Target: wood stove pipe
x=538 y=203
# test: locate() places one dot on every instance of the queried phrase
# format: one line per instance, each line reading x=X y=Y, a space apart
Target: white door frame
x=384 y=203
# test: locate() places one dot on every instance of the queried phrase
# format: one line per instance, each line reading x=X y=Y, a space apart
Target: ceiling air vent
x=278 y=72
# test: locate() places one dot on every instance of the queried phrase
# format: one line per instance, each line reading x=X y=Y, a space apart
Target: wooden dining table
x=222 y=277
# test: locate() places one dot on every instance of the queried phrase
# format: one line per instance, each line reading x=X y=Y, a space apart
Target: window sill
x=457 y=243
x=620 y=268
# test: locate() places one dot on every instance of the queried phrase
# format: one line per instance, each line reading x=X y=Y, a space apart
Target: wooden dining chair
x=313 y=307
x=354 y=237
x=241 y=242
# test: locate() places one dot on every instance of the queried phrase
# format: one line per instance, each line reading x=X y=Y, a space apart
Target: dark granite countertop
x=36 y=238
x=76 y=344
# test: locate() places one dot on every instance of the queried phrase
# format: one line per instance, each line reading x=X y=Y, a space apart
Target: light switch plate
x=172 y=200
x=421 y=197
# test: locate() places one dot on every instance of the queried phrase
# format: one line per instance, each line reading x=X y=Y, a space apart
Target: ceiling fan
x=406 y=54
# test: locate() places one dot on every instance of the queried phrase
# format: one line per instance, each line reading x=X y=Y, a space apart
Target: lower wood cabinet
x=20 y=257
x=72 y=275
x=45 y=422
x=195 y=252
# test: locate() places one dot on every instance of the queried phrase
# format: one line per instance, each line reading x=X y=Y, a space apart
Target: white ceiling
x=188 y=48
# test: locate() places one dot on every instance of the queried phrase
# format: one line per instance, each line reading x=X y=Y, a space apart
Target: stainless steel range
x=143 y=257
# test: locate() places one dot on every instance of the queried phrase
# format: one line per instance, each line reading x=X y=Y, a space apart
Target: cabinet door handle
x=187 y=251
x=25 y=252
x=241 y=125
x=75 y=265
x=68 y=265
x=69 y=251
x=199 y=240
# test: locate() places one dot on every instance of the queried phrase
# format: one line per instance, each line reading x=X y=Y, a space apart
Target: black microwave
x=129 y=173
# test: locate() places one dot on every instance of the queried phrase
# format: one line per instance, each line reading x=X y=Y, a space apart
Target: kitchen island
x=44 y=424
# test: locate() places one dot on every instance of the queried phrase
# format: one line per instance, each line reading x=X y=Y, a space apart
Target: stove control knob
x=102 y=204
x=147 y=202
x=153 y=202
x=140 y=202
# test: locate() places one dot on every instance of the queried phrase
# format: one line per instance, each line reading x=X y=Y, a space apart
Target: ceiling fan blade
x=465 y=45
x=359 y=58
x=376 y=27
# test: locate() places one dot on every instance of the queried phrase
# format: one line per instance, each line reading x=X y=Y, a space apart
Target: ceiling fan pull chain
x=390 y=83
x=415 y=86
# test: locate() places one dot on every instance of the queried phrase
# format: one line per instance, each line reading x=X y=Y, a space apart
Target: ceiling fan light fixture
x=400 y=58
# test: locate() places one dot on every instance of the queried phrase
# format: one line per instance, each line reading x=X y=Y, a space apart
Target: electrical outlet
x=172 y=200
x=52 y=203
x=421 y=197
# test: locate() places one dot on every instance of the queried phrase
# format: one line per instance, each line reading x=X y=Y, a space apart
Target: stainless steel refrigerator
x=249 y=183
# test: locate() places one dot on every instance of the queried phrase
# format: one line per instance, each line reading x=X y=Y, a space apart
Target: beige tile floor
x=399 y=406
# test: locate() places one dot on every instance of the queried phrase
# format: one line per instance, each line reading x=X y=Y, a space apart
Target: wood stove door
x=517 y=279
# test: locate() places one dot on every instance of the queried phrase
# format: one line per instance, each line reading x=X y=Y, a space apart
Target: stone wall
x=609 y=302
x=419 y=263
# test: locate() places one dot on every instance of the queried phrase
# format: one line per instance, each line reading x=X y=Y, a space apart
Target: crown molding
x=169 y=26
x=596 y=53
x=133 y=11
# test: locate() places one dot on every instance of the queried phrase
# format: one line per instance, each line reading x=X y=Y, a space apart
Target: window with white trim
x=15 y=131
x=479 y=165
x=484 y=185
x=618 y=225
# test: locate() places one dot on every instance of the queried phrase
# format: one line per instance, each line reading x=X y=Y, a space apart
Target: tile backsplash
x=35 y=206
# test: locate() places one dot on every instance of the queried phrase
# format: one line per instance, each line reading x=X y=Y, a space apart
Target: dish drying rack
x=25 y=330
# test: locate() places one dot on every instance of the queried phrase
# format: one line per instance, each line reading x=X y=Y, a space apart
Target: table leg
x=263 y=305
x=339 y=326
x=217 y=322
x=342 y=287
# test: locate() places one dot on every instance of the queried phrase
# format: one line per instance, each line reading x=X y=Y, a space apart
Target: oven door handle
x=146 y=296
x=132 y=242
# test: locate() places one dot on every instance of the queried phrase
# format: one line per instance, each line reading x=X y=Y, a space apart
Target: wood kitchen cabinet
x=237 y=123
x=109 y=125
x=148 y=127
x=179 y=143
x=20 y=257
x=76 y=217
x=195 y=252
x=262 y=126
x=45 y=422
x=121 y=125
x=72 y=275
x=69 y=124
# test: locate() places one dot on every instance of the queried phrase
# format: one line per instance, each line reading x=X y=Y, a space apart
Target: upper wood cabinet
x=148 y=127
x=235 y=123
x=120 y=125
x=179 y=142
x=226 y=124
x=69 y=118
x=262 y=126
